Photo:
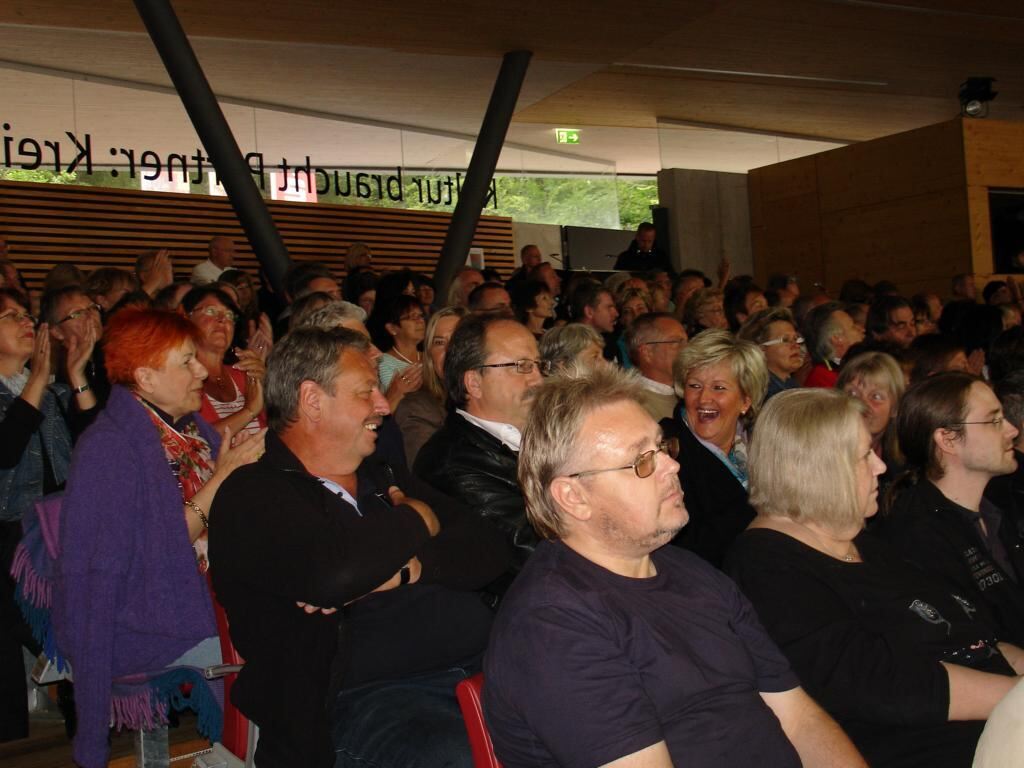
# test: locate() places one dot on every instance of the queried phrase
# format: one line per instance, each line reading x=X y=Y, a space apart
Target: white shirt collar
x=657 y=387
x=506 y=433
x=337 y=490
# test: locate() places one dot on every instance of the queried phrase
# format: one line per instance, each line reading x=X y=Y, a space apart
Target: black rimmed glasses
x=74 y=315
x=524 y=366
x=645 y=463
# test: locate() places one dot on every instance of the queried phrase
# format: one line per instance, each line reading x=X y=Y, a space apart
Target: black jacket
x=278 y=536
x=942 y=538
x=716 y=500
x=440 y=621
x=475 y=468
x=634 y=260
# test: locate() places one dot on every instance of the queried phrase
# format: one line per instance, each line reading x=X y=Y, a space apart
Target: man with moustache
x=611 y=648
x=491 y=369
x=294 y=538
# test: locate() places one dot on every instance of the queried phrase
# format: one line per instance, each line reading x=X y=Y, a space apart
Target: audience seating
x=469 y=693
x=239 y=735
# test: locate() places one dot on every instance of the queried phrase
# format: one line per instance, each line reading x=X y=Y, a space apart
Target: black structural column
x=215 y=134
x=481 y=167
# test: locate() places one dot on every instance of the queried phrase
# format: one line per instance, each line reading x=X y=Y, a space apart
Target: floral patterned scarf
x=191 y=459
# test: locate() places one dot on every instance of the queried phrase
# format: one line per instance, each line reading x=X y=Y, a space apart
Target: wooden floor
x=48 y=747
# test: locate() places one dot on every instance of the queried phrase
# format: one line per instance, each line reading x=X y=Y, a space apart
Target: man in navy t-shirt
x=610 y=649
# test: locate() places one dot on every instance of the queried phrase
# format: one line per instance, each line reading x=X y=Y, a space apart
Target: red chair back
x=470 y=693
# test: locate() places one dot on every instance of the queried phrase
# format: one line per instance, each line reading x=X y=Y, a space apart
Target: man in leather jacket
x=491 y=370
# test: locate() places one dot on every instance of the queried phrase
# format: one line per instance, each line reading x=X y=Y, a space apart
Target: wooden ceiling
x=834 y=69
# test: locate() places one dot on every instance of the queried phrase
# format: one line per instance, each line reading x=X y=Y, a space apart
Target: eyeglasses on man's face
x=787 y=339
x=524 y=366
x=995 y=422
x=75 y=314
x=644 y=464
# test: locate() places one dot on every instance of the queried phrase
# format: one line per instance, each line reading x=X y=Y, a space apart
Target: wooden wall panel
x=786 y=221
x=993 y=157
x=981 y=232
x=895 y=208
x=48 y=223
x=994 y=153
x=919 y=242
x=891 y=168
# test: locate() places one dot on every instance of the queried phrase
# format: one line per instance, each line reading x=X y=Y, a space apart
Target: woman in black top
x=722 y=382
x=907 y=665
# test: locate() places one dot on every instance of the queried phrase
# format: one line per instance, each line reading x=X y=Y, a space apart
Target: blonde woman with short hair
x=721 y=382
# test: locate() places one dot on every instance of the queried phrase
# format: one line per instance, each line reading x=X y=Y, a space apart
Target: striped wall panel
x=48 y=223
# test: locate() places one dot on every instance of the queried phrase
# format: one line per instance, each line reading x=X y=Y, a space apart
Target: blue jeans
x=410 y=723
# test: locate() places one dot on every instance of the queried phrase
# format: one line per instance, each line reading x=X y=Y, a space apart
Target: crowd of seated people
x=841 y=479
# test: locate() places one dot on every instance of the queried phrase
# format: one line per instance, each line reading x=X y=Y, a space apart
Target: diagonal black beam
x=215 y=134
x=481 y=167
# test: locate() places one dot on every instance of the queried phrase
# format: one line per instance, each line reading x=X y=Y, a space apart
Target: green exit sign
x=567 y=135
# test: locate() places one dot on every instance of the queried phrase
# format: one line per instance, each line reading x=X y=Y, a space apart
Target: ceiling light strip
x=669 y=121
x=739 y=73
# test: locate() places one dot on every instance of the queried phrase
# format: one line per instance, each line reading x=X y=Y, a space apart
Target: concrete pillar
x=709 y=217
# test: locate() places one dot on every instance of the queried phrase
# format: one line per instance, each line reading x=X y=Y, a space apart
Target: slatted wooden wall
x=49 y=223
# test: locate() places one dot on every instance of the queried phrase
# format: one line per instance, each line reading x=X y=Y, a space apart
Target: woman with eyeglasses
x=721 y=381
x=774 y=331
x=35 y=451
x=909 y=665
x=397 y=328
x=705 y=309
x=233 y=390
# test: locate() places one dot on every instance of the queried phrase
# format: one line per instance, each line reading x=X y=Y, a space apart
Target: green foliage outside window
x=607 y=202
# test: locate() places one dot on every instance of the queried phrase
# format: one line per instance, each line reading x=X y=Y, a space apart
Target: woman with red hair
x=132 y=610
